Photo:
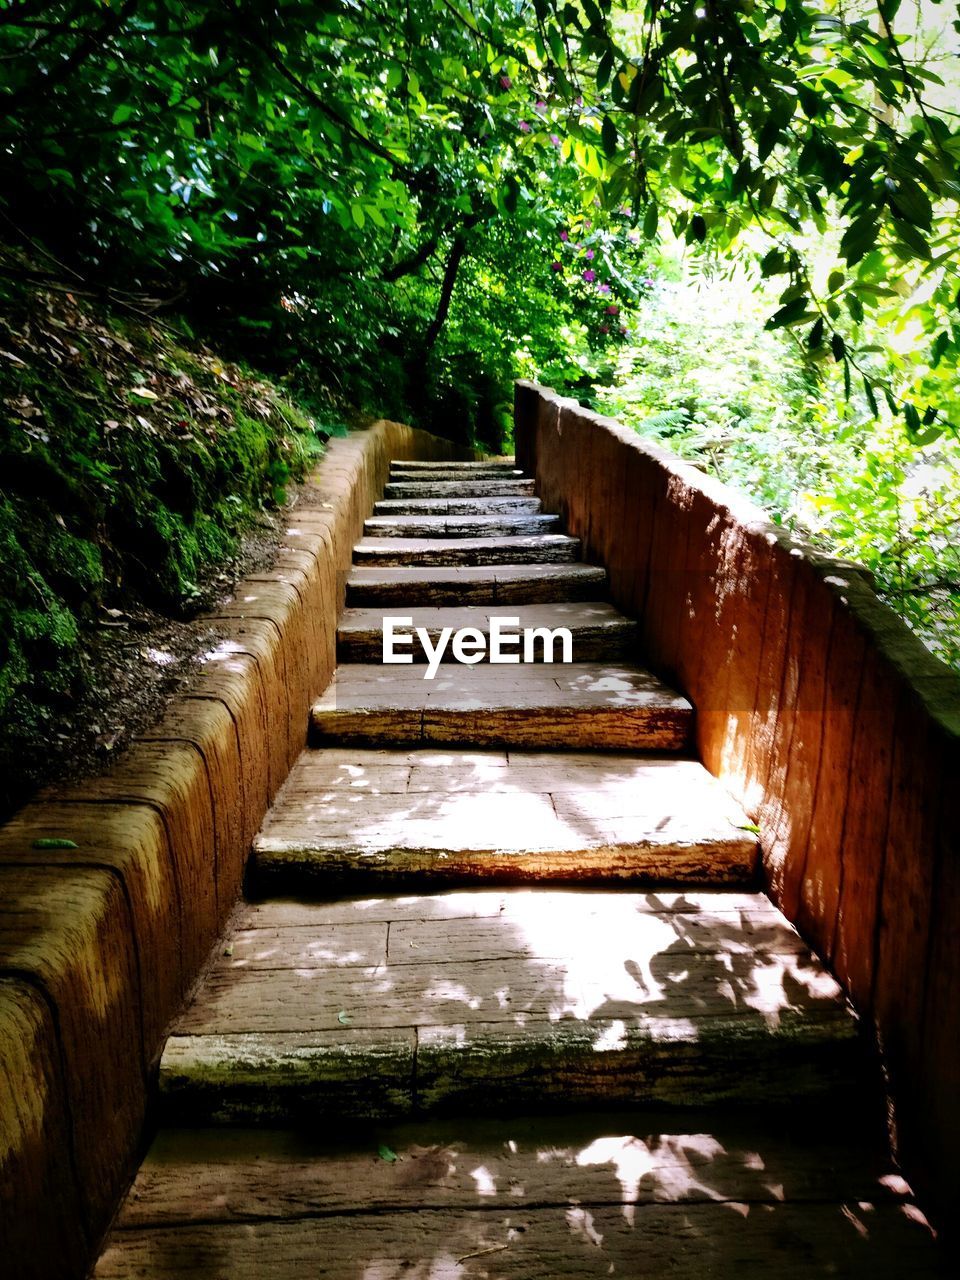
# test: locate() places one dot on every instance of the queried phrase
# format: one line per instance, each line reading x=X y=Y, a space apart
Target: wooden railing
x=821 y=712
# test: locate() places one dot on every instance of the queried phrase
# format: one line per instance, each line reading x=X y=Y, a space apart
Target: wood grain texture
x=466 y=488
x=456 y=506
x=496 y=525
x=786 y=1242
x=598 y=631
x=575 y=705
x=546 y=548
x=447 y=816
x=628 y=1158
x=474 y=584
x=568 y=996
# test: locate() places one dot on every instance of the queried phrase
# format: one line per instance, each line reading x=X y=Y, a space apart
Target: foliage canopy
x=322 y=173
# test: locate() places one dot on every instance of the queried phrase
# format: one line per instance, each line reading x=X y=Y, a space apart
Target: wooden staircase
x=484 y=910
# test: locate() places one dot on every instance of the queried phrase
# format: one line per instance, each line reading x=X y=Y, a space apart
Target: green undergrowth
x=131 y=462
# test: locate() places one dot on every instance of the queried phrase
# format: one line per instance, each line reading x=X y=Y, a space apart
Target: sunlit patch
x=580 y=1222
x=160 y=657
x=611 y=1038
x=484 y=1181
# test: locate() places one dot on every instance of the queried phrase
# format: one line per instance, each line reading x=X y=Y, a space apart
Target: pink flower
x=555 y=140
x=603 y=288
x=524 y=127
x=613 y=309
x=589 y=276
x=541 y=107
x=564 y=236
x=623 y=330
x=506 y=82
x=587 y=225
x=648 y=283
x=556 y=266
x=604 y=328
x=589 y=255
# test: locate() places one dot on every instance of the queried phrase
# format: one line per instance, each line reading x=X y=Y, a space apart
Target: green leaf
x=815 y=336
x=793 y=312
x=835 y=280
x=837 y=346
x=609 y=136
x=650 y=220
x=386 y=1154
x=54 y=842
x=698 y=228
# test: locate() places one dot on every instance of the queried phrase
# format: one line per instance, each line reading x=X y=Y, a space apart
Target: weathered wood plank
x=474 y=584
x=264 y=1079
x=494 y=525
x=469 y=487
x=560 y=995
x=628 y=1158
x=481 y=816
x=400 y=472
x=456 y=506
x=598 y=631
x=546 y=548
x=573 y=705
x=727 y=1240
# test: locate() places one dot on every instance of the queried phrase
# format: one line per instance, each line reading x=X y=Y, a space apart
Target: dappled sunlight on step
x=586 y=1196
x=529 y=993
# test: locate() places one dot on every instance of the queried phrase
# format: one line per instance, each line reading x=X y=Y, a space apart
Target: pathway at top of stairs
x=509 y=891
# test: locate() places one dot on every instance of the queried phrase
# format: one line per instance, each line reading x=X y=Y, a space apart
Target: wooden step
x=474 y=584
x=400 y=473
x=545 y=548
x=661 y=1195
x=456 y=506
x=466 y=488
x=598 y=631
x=497 y=525
x=442 y=815
x=494 y=465
x=385 y=1006
x=577 y=705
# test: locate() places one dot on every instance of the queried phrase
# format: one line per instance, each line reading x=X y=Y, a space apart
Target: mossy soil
x=138 y=472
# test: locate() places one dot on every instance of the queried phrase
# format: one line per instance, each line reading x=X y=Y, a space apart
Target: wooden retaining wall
x=99 y=943
x=821 y=712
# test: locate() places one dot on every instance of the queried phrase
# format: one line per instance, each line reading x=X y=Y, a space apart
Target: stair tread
x=583 y=704
x=502 y=525
x=223 y=1175
x=532 y=548
x=399 y=472
x=455 y=506
x=530 y=815
x=469 y=487
x=483 y=464
x=598 y=631
x=655 y=996
x=461 y=584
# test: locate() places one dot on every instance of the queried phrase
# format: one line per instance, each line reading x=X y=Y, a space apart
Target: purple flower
x=589 y=276
x=564 y=236
x=524 y=127
x=604 y=328
x=589 y=255
x=613 y=309
x=555 y=140
x=556 y=266
x=603 y=288
x=541 y=107
x=648 y=283
x=506 y=82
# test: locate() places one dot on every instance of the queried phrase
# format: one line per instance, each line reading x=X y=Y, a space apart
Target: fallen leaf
x=344 y=1018
x=53 y=842
x=386 y=1154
